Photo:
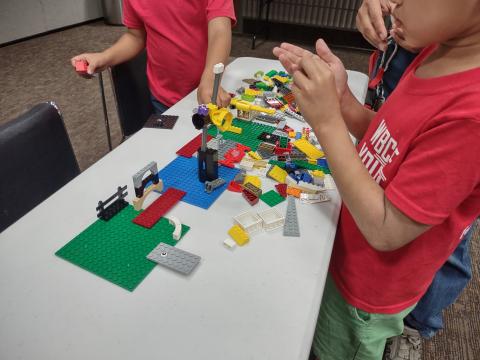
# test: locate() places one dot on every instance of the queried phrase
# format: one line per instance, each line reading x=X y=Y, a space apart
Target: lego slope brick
x=116 y=250
x=182 y=174
x=192 y=146
x=159 y=207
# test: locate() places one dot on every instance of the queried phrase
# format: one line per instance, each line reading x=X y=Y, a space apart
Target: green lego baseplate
x=249 y=135
x=116 y=250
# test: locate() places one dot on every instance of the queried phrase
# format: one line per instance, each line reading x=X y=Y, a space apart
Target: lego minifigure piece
x=308 y=149
x=249 y=221
x=291 y=227
x=277 y=173
x=212 y=185
x=159 y=207
x=177 y=227
x=239 y=235
x=174 y=258
x=106 y=213
x=271 y=219
x=250 y=197
x=140 y=184
x=282 y=189
x=229 y=243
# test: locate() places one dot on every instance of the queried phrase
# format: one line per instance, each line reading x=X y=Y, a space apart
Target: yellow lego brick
x=254 y=180
x=277 y=174
x=254 y=155
x=318 y=173
x=291 y=134
x=308 y=149
x=235 y=130
x=283 y=80
x=253 y=92
x=239 y=235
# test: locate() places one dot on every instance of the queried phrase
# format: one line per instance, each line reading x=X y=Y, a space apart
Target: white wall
x=22 y=18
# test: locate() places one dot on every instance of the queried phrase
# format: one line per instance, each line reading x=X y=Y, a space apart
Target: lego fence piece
x=116 y=250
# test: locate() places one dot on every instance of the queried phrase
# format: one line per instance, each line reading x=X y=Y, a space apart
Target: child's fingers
x=300 y=80
x=295 y=50
x=324 y=52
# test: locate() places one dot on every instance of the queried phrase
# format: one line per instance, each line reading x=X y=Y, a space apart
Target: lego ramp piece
x=308 y=149
x=173 y=258
x=291 y=227
x=159 y=207
x=192 y=146
x=116 y=250
x=182 y=174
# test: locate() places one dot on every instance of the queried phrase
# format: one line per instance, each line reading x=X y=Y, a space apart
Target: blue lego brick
x=182 y=174
x=322 y=162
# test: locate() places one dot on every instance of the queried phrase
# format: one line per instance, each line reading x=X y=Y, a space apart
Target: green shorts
x=344 y=332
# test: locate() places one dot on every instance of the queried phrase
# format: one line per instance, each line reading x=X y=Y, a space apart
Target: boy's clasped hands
x=319 y=83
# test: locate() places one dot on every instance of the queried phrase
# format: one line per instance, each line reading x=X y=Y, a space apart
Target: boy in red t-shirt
x=184 y=39
x=411 y=188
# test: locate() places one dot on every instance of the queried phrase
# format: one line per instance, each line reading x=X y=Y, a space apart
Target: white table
x=256 y=302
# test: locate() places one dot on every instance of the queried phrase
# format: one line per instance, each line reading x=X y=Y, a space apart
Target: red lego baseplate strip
x=192 y=146
x=149 y=217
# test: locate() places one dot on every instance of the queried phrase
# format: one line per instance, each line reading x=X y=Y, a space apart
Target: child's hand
x=314 y=90
x=370 y=22
x=291 y=55
x=96 y=61
x=204 y=94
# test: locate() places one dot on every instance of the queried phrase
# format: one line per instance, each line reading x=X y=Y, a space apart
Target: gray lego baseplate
x=291 y=227
x=174 y=258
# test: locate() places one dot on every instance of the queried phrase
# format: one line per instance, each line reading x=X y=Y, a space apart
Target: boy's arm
x=356 y=116
x=384 y=226
x=127 y=47
x=219 y=45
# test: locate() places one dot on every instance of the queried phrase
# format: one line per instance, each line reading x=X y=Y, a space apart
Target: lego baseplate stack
x=173 y=258
x=116 y=250
x=182 y=174
x=250 y=132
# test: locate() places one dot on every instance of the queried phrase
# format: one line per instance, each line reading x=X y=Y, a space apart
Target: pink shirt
x=177 y=41
x=423 y=148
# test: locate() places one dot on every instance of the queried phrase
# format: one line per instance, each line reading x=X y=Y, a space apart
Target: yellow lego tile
x=308 y=149
x=254 y=180
x=239 y=235
x=277 y=174
x=254 y=155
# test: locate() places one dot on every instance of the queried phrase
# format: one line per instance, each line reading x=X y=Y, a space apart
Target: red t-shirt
x=423 y=148
x=177 y=41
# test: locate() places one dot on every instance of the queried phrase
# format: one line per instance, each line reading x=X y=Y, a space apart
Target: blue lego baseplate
x=182 y=174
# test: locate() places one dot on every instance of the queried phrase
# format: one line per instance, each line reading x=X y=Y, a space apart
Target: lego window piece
x=173 y=258
x=249 y=221
x=161 y=121
x=271 y=219
x=116 y=250
x=291 y=227
x=181 y=173
x=159 y=207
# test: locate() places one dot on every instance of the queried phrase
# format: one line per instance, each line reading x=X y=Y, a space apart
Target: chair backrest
x=132 y=95
x=36 y=159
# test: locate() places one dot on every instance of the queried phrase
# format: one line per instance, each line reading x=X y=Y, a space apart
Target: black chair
x=36 y=159
x=132 y=95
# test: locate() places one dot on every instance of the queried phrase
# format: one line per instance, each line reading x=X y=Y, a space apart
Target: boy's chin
x=407 y=45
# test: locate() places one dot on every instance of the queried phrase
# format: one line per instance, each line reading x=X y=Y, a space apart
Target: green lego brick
x=116 y=250
x=306 y=165
x=271 y=73
x=272 y=198
x=249 y=98
x=278 y=163
x=249 y=133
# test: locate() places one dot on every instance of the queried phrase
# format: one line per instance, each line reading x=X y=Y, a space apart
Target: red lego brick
x=81 y=66
x=148 y=217
x=251 y=198
x=282 y=189
x=235 y=187
x=192 y=146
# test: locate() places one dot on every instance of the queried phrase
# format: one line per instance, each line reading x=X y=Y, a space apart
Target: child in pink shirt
x=183 y=39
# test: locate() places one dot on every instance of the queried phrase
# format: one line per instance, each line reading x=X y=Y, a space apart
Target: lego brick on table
x=191 y=147
x=173 y=258
x=272 y=198
x=182 y=173
x=116 y=250
x=282 y=189
x=159 y=207
x=239 y=235
x=251 y=198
